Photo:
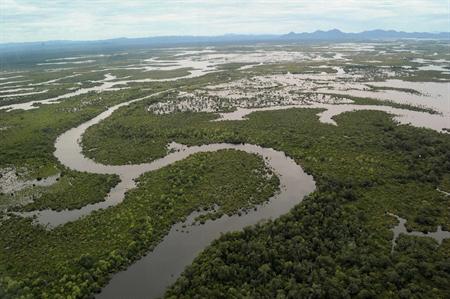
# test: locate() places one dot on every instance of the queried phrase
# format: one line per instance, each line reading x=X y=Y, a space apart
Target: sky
x=41 y=20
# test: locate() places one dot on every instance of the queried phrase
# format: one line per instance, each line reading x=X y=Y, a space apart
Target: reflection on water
x=151 y=275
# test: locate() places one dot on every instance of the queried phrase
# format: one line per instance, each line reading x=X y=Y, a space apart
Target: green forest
x=336 y=243
x=74 y=260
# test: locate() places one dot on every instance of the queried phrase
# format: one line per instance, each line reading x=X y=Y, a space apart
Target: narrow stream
x=400 y=228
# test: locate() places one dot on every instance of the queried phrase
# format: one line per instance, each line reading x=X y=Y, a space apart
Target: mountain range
x=162 y=41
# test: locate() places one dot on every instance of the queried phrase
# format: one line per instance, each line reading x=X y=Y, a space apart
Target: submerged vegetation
x=72 y=191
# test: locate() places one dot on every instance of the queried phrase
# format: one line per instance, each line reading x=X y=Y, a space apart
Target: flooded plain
x=151 y=275
x=331 y=83
x=435 y=122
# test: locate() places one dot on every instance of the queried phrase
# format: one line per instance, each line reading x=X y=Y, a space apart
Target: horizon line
x=226 y=34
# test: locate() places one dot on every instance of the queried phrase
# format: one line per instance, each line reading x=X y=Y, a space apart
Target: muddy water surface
x=150 y=276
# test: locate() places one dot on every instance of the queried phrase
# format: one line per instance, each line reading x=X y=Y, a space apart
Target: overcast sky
x=39 y=20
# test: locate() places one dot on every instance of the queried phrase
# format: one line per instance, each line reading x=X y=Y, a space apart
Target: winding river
x=150 y=276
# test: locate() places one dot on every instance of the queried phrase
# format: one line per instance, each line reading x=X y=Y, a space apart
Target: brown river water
x=152 y=274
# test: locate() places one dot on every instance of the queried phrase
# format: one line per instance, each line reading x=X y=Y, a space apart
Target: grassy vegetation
x=51 y=93
x=407 y=90
x=369 y=101
x=86 y=79
x=292 y=67
x=77 y=258
x=426 y=76
x=156 y=74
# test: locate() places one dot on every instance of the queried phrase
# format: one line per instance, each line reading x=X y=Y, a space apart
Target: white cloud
x=27 y=20
x=13 y=7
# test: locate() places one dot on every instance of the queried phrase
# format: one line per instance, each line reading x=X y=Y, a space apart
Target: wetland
x=269 y=170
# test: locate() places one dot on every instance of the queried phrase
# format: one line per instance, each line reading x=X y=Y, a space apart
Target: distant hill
x=336 y=34
x=163 y=41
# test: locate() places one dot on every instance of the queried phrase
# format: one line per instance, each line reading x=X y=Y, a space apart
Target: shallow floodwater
x=433 y=95
x=106 y=85
x=415 y=118
x=400 y=228
x=10 y=182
